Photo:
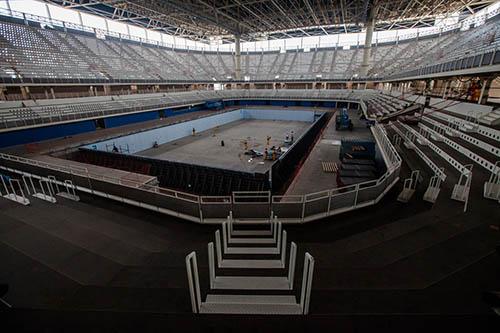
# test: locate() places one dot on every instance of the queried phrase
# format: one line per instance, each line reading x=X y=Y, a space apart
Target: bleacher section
x=31 y=54
x=454 y=146
x=466 y=49
x=39 y=113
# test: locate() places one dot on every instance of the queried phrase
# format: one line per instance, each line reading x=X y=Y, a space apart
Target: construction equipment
x=342 y=121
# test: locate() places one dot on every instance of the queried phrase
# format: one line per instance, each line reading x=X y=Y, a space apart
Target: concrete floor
x=311 y=177
x=205 y=149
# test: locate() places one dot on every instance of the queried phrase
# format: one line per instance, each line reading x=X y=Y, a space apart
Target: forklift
x=342 y=121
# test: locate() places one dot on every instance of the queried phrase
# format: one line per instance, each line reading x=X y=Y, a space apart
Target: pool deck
x=205 y=147
x=311 y=178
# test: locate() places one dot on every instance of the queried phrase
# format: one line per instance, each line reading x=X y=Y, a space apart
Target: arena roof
x=272 y=19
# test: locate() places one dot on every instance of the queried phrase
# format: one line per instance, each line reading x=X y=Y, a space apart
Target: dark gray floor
x=103 y=255
x=205 y=148
x=416 y=261
x=311 y=178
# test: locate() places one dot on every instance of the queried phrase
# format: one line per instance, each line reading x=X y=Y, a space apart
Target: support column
x=2 y=94
x=370 y=23
x=237 y=54
x=107 y=89
x=444 y=89
x=25 y=92
x=485 y=89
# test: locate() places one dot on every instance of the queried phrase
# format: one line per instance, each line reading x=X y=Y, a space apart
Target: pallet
x=330 y=167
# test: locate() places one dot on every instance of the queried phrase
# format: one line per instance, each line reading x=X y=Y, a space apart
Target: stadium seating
x=33 y=54
x=31 y=113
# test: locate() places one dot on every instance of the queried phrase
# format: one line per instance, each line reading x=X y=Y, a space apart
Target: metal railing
x=215 y=209
x=43 y=115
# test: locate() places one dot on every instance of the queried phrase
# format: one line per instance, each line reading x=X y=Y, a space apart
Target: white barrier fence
x=212 y=209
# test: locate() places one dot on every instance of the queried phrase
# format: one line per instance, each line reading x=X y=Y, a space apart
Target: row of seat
x=32 y=52
x=450 y=146
x=88 y=108
x=460 y=51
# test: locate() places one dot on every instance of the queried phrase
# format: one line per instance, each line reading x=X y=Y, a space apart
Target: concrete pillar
x=107 y=89
x=237 y=55
x=485 y=89
x=25 y=92
x=444 y=89
x=2 y=94
x=370 y=23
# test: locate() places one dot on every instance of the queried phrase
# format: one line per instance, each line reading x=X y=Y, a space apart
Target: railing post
x=211 y=264
x=356 y=195
x=303 y=208
x=329 y=202
x=201 y=211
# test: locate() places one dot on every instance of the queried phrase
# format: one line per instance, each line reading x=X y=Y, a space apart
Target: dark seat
x=492 y=298
x=4 y=288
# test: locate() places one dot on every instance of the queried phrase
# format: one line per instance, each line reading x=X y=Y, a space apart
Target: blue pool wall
x=140 y=141
x=23 y=136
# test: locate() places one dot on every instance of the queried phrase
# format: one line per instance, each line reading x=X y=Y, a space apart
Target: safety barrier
x=409 y=187
x=461 y=190
x=284 y=168
x=200 y=179
x=47 y=191
x=215 y=209
x=492 y=186
x=437 y=135
x=432 y=192
x=13 y=190
x=408 y=138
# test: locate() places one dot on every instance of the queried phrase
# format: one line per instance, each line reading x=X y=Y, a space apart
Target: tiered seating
x=450 y=130
x=73 y=109
x=380 y=105
x=455 y=51
x=33 y=53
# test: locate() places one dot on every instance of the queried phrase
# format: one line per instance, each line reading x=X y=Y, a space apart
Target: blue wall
x=45 y=133
x=130 y=118
x=253 y=102
x=144 y=140
x=50 y=132
x=177 y=111
x=270 y=114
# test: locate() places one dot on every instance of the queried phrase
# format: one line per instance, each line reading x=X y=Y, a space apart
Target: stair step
x=251 y=299
x=252 y=250
x=252 y=283
x=252 y=263
x=256 y=309
x=251 y=240
x=251 y=233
